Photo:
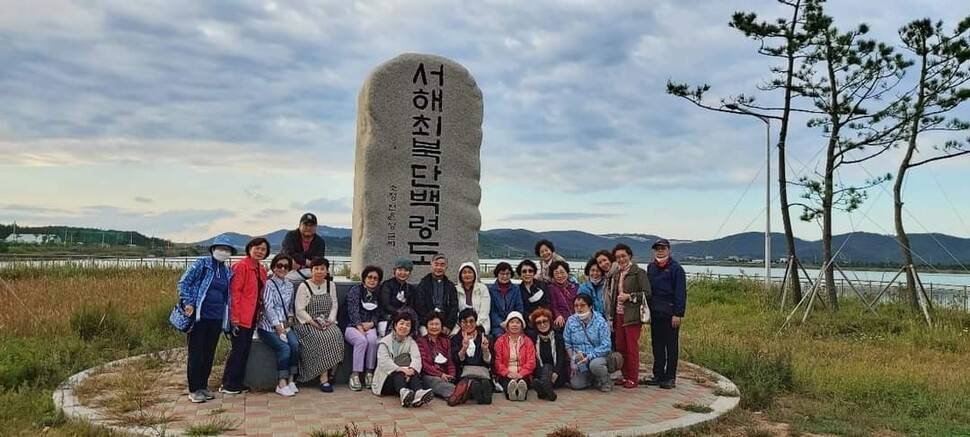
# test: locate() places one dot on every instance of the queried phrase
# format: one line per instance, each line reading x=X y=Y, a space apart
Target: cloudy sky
x=183 y=119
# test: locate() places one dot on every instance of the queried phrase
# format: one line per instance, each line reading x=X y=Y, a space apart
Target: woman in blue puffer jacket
x=204 y=294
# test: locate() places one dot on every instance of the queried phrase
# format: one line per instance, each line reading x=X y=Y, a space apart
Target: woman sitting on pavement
x=515 y=358
x=361 y=331
x=594 y=285
x=399 y=364
x=275 y=328
x=562 y=292
x=473 y=294
x=472 y=357
x=587 y=339
x=552 y=364
x=321 y=342
x=438 y=370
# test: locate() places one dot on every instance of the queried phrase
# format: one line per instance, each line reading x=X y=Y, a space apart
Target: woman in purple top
x=361 y=331
x=563 y=292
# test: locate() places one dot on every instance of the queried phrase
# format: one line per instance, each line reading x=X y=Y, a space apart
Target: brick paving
x=268 y=414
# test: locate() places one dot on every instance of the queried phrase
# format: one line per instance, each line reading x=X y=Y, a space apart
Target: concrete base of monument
x=646 y=410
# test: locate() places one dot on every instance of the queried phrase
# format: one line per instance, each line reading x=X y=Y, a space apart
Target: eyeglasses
x=374 y=277
x=542 y=322
x=507 y=272
x=468 y=322
x=282 y=266
x=524 y=271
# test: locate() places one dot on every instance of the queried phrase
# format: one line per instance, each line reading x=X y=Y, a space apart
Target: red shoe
x=629 y=384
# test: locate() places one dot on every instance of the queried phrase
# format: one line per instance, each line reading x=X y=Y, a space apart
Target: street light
x=767 y=121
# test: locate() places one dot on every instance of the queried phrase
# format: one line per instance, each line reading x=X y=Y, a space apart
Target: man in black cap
x=303 y=245
x=668 y=281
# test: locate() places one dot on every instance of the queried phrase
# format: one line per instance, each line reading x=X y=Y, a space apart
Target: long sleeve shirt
x=592 y=339
x=562 y=298
x=429 y=356
x=277 y=303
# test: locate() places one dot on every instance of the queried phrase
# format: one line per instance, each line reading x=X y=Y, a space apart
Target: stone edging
x=720 y=406
x=65 y=400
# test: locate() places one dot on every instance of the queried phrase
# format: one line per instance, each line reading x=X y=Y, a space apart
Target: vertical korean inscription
x=427 y=97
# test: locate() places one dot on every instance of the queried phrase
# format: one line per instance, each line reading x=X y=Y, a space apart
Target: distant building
x=33 y=239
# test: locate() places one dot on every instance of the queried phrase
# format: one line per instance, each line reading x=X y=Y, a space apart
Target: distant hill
x=70 y=235
x=853 y=248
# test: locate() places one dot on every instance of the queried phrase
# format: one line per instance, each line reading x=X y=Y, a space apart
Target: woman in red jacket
x=245 y=288
x=515 y=358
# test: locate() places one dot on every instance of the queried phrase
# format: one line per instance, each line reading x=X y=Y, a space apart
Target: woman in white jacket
x=399 y=365
x=473 y=294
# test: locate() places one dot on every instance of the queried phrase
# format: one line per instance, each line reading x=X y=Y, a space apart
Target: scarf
x=662 y=262
x=549 y=338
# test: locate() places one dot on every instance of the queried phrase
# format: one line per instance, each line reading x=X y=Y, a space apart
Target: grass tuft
x=213 y=426
x=694 y=408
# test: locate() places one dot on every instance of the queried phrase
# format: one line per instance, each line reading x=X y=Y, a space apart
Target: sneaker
x=355 y=384
x=619 y=382
x=606 y=388
x=629 y=384
x=496 y=387
x=668 y=384
x=284 y=391
x=197 y=397
x=368 y=380
x=208 y=394
x=326 y=387
x=245 y=389
x=422 y=397
x=650 y=381
x=292 y=387
x=229 y=391
x=460 y=394
x=407 y=397
x=475 y=387
x=512 y=391
x=523 y=390
x=552 y=396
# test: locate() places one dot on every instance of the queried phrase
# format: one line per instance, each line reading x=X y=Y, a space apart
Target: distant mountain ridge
x=854 y=248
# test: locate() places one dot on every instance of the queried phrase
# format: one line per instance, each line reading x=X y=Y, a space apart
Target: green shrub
x=761 y=374
x=99 y=321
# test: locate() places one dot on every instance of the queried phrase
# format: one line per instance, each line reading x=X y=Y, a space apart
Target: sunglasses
x=524 y=271
x=374 y=277
x=282 y=266
x=542 y=322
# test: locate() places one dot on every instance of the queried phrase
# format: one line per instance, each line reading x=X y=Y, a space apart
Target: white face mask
x=535 y=297
x=369 y=306
x=583 y=316
x=221 y=255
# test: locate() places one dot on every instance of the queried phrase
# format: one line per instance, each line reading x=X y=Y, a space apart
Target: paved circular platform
x=640 y=411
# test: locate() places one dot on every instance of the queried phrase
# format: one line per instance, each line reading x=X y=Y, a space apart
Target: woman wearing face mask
x=276 y=326
x=546 y=252
x=552 y=364
x=245 y=289
x=515 y=358
x=534 y=295
x=204 y=295
x=629 y=288
x=562 y=292
x=587 y=339
x=472 y=357
x=473 y=294
x=361 y=332
x=321 y=343
x=594 y=285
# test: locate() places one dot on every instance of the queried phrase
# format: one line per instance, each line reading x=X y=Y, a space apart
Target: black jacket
x=387 y=296
x=562 y=360
x=293 y=246
x=424 y=301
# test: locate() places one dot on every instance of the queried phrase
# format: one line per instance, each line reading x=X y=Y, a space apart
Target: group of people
x=457 y=340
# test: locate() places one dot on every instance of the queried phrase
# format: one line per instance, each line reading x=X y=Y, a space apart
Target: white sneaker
x=284 y=391
x=422 y=397
x=521 y=390
x=407 y=397
x=292 y=387
x=498 y=387
x=197 y=397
